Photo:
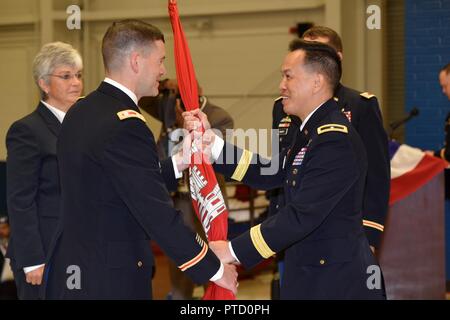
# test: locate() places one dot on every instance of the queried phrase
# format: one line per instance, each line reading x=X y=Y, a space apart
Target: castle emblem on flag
x=211 y=205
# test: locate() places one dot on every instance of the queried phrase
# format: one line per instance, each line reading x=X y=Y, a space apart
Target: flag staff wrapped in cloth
x=207 y=198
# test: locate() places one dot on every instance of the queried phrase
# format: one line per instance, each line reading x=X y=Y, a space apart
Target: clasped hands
x=192 y=121
x=195 y=140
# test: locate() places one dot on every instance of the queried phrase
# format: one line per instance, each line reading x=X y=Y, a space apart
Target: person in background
x=33 y=191
x=444 y=81
x=8 y=290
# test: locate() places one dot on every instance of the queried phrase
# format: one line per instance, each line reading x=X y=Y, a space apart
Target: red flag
x=206 y=196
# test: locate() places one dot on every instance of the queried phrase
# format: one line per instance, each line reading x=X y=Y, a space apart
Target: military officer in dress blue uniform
x=363 y=111
x=113 y=192
x=327 y=254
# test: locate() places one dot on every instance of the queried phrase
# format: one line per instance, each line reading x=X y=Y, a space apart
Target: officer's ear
x=341 y=55
x=319 y=81
x=134 y=61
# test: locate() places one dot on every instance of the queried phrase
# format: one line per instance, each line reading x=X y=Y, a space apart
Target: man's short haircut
x=334 y=39
x=123 y=37
x=321 y=58
x=446 y=69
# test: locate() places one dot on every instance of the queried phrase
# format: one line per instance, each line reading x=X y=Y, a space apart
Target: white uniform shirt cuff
x=32 y=268
x=178 y=174
x=217 y=147
x=219 y=273
x=232 y=252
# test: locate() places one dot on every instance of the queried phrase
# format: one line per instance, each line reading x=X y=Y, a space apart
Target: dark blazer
x=444 y=152
x=327 y=254
x=113 y=201
x=363 y=111
x=33 y=192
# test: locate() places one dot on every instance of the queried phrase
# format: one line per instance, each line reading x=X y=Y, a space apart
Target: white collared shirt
x=127 y=91
x=309 y=116
x=58 y=113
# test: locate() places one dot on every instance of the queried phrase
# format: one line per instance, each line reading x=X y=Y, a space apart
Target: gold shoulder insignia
x=332 y=128
x=278 y=99
x=242 y=167
x=260 y=243
x=286 y=119
x=81 y=98
x=125 y=114
x=367 y=95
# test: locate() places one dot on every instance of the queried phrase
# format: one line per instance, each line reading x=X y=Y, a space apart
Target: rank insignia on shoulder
x=126 y=114
x=367 y=95
x=332 y=128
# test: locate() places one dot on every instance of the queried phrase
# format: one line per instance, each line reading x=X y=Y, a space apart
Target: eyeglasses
x=68 y=76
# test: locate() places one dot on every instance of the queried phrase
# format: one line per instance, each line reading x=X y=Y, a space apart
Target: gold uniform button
x=287 y=181
x=139 y=264
x=322 y=262
x=293 y=183
x=295 y=171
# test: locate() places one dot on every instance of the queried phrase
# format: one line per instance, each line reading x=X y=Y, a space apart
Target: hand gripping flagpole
x=206 y=196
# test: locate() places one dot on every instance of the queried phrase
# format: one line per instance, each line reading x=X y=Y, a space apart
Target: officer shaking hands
x=113 y=192
x=323 y=173
x=363 y=112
